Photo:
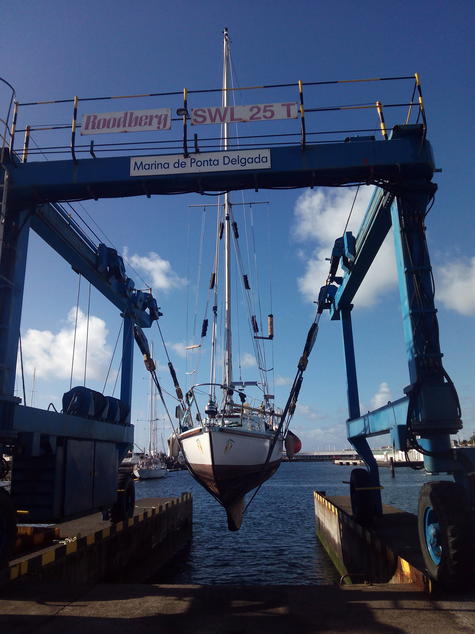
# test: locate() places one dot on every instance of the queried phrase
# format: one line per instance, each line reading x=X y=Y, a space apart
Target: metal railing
x=367 y=114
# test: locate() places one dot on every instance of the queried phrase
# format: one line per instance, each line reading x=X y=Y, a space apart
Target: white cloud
x=179 y=348
x=321 y=214
x=50 y=355
x=455 y=286
x=248 y=360
x=158 y=270
x=283 y=380
x=382 y=396
x=321 y=217
x=307 y=412
x=323 y=438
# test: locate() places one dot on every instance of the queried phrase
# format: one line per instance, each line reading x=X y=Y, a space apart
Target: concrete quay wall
x=387 y=552
x=93 y=551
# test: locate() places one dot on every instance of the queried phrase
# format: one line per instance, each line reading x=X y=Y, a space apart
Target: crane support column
x=127 y=363
x=433 y=411
x=372 y=495
x=446 y=510
x=352 y=381
x=13 y=252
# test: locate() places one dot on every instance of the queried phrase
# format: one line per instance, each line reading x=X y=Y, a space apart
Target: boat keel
x=235 y=512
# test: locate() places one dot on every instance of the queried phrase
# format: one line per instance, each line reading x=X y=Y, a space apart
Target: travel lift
x=430 y=411
x=65 y=464
x=401 y=166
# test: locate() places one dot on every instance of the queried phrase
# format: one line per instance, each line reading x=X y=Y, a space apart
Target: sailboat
x=230 y=445
x=150 y=467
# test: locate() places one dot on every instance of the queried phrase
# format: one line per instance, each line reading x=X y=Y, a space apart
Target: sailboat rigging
x=233 y=445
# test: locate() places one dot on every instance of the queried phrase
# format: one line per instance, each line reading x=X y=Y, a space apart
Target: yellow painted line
x=48 y=557
x=106 y=532
x=119 y=527
x=130 y=521
x=71 y=547
x=14 y=572
x=23 y=567
x=90 y=539
x=405 y=566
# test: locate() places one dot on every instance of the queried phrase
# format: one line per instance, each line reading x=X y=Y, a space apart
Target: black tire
x=364 y=501
x=443 y=521
x=125 y=503
x=7 y=527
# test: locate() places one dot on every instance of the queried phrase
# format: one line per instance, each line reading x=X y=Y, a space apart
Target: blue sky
x=55 y=50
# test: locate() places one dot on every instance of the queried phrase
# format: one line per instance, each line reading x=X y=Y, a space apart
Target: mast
x=228 y=370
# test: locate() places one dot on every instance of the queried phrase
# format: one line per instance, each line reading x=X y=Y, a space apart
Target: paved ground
x=167 y=609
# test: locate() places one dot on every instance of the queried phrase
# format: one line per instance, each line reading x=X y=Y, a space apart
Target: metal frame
x=63 y=465
x=406 y=155
x=430 y=411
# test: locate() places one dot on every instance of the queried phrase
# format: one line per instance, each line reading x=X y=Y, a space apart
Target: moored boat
x=150 y=468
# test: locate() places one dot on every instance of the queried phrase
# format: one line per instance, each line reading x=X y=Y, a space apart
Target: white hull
x=228 y=447
x=229 y=462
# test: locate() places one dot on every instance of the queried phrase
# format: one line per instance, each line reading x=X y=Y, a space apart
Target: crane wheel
x=125 y=503
x=363 y=502
x=7 y=527
x=444 y=532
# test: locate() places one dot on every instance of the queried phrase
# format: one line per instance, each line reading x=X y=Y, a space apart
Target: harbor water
x=277 y=543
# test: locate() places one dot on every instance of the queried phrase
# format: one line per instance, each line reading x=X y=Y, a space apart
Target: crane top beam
x=406 y=155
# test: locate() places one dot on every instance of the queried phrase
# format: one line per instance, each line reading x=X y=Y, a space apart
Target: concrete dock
x=90 y=550
x=179 y=609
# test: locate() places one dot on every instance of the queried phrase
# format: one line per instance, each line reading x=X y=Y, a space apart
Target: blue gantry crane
x=400 y=165
x=429 y=412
